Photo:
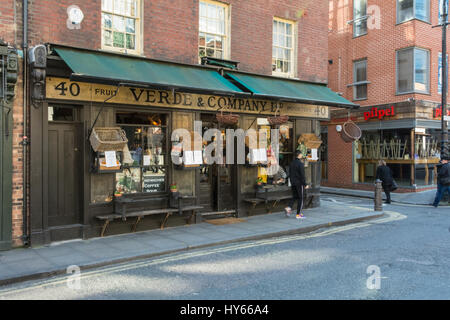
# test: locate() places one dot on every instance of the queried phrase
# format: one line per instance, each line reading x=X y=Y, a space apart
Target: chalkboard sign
x=154 y=184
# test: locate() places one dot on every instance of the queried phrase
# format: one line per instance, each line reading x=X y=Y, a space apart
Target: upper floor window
x=359 y=17
x=121 y=25
x=360 y=80
x=413 y=71
x=283 y=51
x=413 y=9
x=213 y=30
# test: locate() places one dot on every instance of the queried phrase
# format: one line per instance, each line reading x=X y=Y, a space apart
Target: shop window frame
x=168 y=163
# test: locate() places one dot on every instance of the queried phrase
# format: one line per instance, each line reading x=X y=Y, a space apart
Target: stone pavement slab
x=33 y=263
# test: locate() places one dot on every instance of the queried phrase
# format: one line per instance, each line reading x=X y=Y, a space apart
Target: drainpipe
x=25 y=236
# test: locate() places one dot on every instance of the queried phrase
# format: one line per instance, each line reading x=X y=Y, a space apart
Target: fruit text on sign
x=380 y=114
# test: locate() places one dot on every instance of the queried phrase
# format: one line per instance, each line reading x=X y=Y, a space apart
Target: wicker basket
x=227 y=118
x=350 y=132
x=108 y=139
x=278 y=120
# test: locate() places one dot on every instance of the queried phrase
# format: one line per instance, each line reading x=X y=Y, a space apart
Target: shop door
x=64 y=174
x=217 y=182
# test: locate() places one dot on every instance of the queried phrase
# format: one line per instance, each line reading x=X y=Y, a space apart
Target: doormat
x=222 y=221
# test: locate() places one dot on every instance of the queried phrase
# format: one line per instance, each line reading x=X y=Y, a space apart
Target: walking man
x=384 y=174
x=443 y=181
x=297 y=177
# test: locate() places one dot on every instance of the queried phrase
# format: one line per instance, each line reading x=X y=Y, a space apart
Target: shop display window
x=145 y=162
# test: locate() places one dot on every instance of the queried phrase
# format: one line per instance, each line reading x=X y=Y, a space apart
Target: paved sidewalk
x=417 y=198
x=33 y=263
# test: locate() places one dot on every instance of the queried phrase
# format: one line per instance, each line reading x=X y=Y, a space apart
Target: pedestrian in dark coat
x=443 y=181
x=384 y=174
x=298 y=183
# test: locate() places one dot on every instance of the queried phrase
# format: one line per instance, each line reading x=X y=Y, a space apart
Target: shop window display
x=145 y=166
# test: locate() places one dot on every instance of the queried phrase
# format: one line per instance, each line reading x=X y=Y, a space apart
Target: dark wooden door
x=64 y=174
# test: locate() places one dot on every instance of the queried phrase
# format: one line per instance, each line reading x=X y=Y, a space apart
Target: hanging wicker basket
x=277 y=120
x=350 y=132
x=108 y=139
x=227 y=118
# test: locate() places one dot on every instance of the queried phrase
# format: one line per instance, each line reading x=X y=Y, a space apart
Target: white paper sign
x=188 y=158
x=198 y=157
x=146 y=160
x=314 y=154
x=110 y=158
x=262 y=155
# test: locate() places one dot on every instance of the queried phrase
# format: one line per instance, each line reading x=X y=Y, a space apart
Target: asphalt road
x=405 y=255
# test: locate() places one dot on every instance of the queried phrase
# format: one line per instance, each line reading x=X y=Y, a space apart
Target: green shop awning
x=110 y=68
x=289 y=90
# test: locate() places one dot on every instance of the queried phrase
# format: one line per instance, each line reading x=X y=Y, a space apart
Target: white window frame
x=414 y=17
x=226 y=54
x=138 y=30
x=414 y=90
x=357 y=19
x=293 y=50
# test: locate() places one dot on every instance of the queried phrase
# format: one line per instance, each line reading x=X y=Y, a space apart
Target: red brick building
x=284 y=39
x=385 y=55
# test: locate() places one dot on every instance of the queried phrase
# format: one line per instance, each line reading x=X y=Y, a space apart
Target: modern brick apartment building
x=385 y=56
x=137 y=65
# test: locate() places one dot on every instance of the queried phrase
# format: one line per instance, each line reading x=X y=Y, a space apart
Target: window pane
x=219 y=43
x=119 y=6
x=210 y=41
x=421 y=70
x=118 y=40
x=359 y=11
x=211 y=11
x=286 y=67
x=202 y=25
x=287 y=54
x=288 y=29
x=201 y=52
x=107 y=38
x=129 y=181
x=202 y=9
x=219 y=54
x=202 y=40
x=422 y=9
x=281 y=40
x=130 y=26
x=107 y=5
x=131 y=42
x=107 y=20
x=118 y=24
x=210 y=52
x=405 y=10
x=361 y=91
x=405 y=70
x=360 y=71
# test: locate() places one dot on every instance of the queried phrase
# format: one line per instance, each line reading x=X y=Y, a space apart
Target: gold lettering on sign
x=61 y=88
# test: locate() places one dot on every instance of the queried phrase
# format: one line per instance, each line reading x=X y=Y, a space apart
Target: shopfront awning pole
x=444 y=140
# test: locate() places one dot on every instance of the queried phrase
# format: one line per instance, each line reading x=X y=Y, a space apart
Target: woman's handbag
x=394 y=186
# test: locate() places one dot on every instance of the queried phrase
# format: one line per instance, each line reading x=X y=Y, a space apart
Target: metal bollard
x=378 y=199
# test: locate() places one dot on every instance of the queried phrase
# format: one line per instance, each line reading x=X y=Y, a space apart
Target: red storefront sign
x=437 y=112
x=380 y=114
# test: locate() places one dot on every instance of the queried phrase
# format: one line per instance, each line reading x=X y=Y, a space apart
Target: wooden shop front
x=73 y=183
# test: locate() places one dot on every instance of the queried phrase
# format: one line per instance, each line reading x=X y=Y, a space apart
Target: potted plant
x=173 y=187
x=117 y=193
x=259 y=181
